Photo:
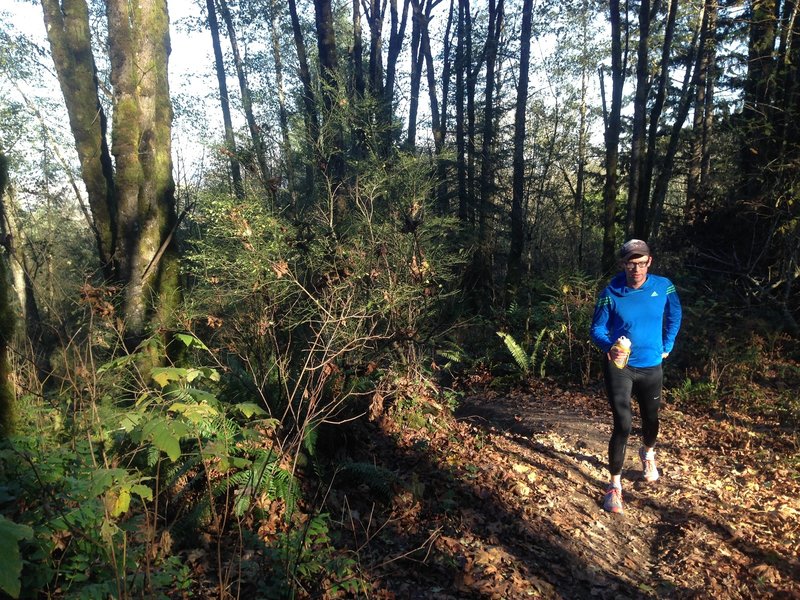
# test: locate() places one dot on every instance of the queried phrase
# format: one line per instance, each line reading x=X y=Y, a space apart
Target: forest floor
x=503 y=500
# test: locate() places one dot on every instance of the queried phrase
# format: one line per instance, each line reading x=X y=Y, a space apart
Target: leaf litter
x=503 y=500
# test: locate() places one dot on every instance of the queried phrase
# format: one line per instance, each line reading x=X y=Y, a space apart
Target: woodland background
x=403 y=202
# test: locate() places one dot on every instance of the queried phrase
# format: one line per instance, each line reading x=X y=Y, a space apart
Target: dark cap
x=634 y=248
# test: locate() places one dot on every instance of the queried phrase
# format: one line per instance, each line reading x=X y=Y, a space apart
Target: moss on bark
x=7 y=319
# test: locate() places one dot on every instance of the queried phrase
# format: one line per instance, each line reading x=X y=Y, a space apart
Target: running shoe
x=612 y=502
x=649 y=469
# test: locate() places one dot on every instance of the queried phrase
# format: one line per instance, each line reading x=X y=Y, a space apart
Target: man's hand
x=664 y=355
x=616 y=354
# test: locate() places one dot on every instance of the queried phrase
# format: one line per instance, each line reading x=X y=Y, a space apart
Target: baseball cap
x=634 y=248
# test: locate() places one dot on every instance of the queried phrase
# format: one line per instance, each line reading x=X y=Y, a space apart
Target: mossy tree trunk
x=7 y=320
x=133 y=207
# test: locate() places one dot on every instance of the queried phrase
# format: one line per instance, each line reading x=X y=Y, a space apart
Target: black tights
x=644 y=383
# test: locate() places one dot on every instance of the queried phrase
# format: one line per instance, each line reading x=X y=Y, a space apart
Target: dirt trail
x=506 y=503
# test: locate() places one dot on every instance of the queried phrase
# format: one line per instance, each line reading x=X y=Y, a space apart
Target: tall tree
x=487 y=143
x=7 y=320
x=397 y=32
x=613 y=128
x=332 y=133
x=310 y=115
x=224 y=99
x=697 y=181
x=443 y=201
x=132 y=197
x=283 y=113
x=647 y=13
x=461 y=66
x=256 y=139
x=514 y=268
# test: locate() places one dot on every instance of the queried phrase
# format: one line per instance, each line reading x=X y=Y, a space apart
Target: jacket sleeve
x=672 y=318
x=599 y=329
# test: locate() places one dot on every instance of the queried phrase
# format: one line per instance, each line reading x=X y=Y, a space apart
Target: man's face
x=636 y=270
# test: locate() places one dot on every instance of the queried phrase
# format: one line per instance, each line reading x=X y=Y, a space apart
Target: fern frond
x=536 y=346
x=378 y=479
x=518 y=354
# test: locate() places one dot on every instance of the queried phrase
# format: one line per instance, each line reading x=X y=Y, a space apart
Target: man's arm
x=672 y=318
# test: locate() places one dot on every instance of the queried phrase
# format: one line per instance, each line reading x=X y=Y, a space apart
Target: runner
x=644 y=308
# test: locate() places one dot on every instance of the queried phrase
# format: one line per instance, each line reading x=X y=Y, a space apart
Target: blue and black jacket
x=649 y=316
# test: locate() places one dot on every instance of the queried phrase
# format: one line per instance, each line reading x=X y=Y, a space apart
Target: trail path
x=506 y=503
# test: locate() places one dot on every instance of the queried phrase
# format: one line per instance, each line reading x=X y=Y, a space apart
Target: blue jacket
x=649 y=316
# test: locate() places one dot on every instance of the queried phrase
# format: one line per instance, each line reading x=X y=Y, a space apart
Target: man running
x=644 y=308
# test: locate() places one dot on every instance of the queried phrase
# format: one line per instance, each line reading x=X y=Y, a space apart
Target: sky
x=191 y=67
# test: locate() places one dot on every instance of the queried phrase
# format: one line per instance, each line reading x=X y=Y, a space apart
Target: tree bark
x=461 y=132
x=247 y=102
x=7 y=322
x=69 y=35
x=442 y=193
x=612 y=134
x=487 y=173
x=133 y=207
x=645 y=211
x=699 y=162
x=309 y=100
x=141 y=145
x=283 y=115
x=417 y=56
x=514 y=270
x=396 y=36
x=638 y=132
x=219 y=63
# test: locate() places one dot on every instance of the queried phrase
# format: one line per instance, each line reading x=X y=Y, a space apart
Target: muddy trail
x=504 y=501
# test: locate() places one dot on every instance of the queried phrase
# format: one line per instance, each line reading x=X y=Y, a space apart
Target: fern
x=517 y=352
x=378 y=479
x=525 y=362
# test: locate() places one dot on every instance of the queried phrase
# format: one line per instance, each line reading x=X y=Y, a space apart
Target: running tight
x=643 y=383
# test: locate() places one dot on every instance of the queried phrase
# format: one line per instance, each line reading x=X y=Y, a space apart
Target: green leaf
x=163 y=375
x=190 y=341
x=248 y=409
x=195 y=413
x=122 y=504
x=10 y=560
x=164 y=437
x=202 y=395
x=144 y=492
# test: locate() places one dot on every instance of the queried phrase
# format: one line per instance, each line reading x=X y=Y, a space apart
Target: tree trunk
x=283 y=115
x=333 y=167
x=638 y=132
x=309 y=102
x=442 y=193
x=247 y=103
x=612 y=134
x=7 y=321
x=486 y=178
x=700 y=158
x=142 y=144
x=461 y=144
x=690 y=82
x=20 y=266
x=358 y=84
x=396 y=37
x=472 y=82
x=514 y=271
x=758 y=110
x=134 y=207
x=69 y=35
x=230 y=140
x=417 y=57
x=645 y=210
